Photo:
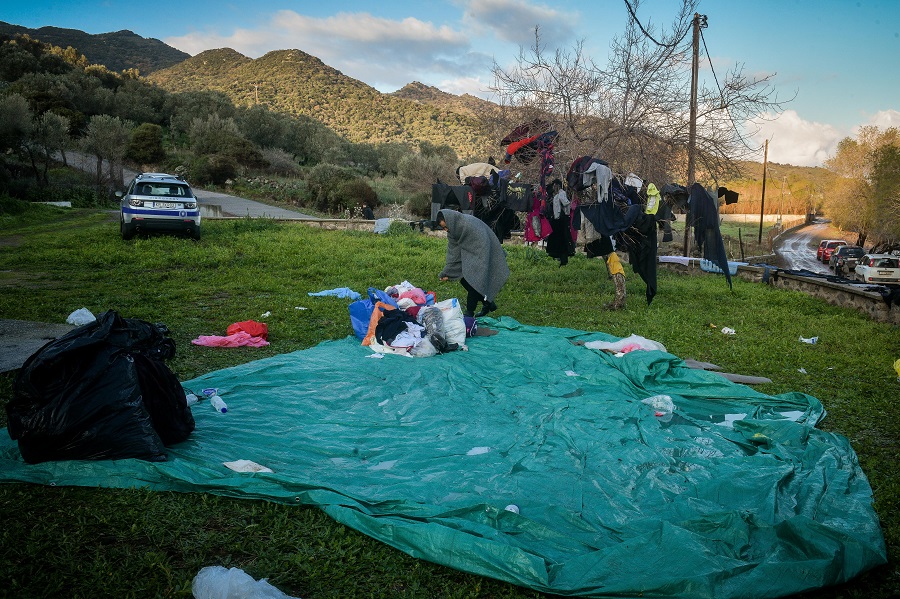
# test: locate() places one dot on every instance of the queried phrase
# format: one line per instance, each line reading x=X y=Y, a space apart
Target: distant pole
x=762 y=204
x=692 y=132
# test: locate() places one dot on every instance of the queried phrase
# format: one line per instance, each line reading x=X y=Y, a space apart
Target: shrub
x=322 y=182
x=417 y=173
x=145 y=145
x=280 y=162
x=215 y=169
x=352 y=193
x=419 y=205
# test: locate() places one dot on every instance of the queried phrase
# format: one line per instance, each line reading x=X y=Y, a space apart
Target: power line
x=722 y=94
x=647 y=34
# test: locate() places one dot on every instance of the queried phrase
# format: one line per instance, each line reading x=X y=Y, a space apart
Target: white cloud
x=885 y=119
x=793 y=140
x=384 y=53
x=473 y=86
x=514 y=21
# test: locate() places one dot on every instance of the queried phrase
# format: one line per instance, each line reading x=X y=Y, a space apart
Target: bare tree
x=635 y=111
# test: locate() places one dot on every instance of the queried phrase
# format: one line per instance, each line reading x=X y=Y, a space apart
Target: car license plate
x=885 y=272
x=166 y=205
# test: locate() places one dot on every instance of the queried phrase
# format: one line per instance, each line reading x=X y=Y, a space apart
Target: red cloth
x=251 y=327
x=238 y=339
x=518 y=145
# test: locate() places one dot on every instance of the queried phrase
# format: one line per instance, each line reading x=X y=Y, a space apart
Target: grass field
x=82 y=542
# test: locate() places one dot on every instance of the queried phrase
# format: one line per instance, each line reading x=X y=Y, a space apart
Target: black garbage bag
x=102 y=391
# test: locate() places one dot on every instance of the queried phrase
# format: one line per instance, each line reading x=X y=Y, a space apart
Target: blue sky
x=836 y=58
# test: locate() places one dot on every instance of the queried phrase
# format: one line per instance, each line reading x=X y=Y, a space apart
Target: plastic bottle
x=191 y=399
x=218 y=404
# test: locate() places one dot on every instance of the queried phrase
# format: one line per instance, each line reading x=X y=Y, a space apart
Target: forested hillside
x=789 y=189
x=117 y=51
x=426 y=94
x=297 y=83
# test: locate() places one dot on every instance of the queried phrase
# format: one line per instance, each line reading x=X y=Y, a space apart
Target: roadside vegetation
x=86 y=542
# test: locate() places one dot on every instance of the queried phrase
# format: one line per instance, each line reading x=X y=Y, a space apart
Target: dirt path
x=797 y=250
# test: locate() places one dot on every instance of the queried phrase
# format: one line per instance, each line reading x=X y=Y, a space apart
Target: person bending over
x=475 y=258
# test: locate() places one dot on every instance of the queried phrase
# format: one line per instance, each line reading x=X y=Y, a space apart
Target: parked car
x=845 y=258
x=830 y=247
x=879 y=268
x=821 y=248
x=159 y=202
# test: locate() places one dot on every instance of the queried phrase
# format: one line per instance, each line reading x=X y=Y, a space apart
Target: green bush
x=145 y=146
x=419 y=205
x=353 y=193
x=400 y=228
x=215 y=169
x=323 y=181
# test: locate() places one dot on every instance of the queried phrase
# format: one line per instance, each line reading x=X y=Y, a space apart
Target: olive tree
x=106 y=138
x=49 y=138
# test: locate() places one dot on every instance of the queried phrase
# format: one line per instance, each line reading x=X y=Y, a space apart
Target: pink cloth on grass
x=238 y=339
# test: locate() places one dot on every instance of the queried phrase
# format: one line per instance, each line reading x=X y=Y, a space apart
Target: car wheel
x=195 y=233
x=126 y=229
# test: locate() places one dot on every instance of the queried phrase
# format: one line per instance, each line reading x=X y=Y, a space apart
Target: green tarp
x=736 y=495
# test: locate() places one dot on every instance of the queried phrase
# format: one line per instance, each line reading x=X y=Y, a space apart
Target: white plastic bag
x=216 y=582
x=80 y=317
x=454 y=325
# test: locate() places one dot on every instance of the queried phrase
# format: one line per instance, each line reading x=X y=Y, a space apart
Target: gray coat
x=474 y=253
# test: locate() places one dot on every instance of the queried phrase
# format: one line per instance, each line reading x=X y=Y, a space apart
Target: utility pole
x=781 y=204
x=762 y=203
x=699 y=21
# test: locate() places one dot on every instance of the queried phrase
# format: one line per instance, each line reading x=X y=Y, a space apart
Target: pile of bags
x=404 y=319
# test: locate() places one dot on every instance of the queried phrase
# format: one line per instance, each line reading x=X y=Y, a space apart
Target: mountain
x=297 y=83
x=117 y=51
x=427 y=94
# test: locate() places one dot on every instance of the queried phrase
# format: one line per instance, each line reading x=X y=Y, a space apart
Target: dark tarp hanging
x=704 y=214
x=456 y=197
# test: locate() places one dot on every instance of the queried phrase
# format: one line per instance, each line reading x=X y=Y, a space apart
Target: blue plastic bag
x=361 y=311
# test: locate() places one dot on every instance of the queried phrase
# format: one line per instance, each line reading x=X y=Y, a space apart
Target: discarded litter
x=728 y=331
x=266 y=314
x=811 y=340
x=246 y=466
x=897 y=368
x=214 y=400
x=81 y=317
x=512 y=508
x=662 y=405
x=216 y=582
x=801 y=370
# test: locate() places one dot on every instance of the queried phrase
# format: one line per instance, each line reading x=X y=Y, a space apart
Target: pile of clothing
x=406 y=320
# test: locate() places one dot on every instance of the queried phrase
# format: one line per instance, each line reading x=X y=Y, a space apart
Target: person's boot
x=618 y=302
x=486 y=308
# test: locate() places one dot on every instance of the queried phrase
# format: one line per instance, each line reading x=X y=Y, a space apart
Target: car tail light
x=136 y=203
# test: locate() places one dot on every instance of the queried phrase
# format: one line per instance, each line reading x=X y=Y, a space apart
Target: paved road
x=797 y=250
x=212 y=203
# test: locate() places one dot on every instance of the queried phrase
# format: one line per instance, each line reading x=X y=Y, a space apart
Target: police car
x=159 y=202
